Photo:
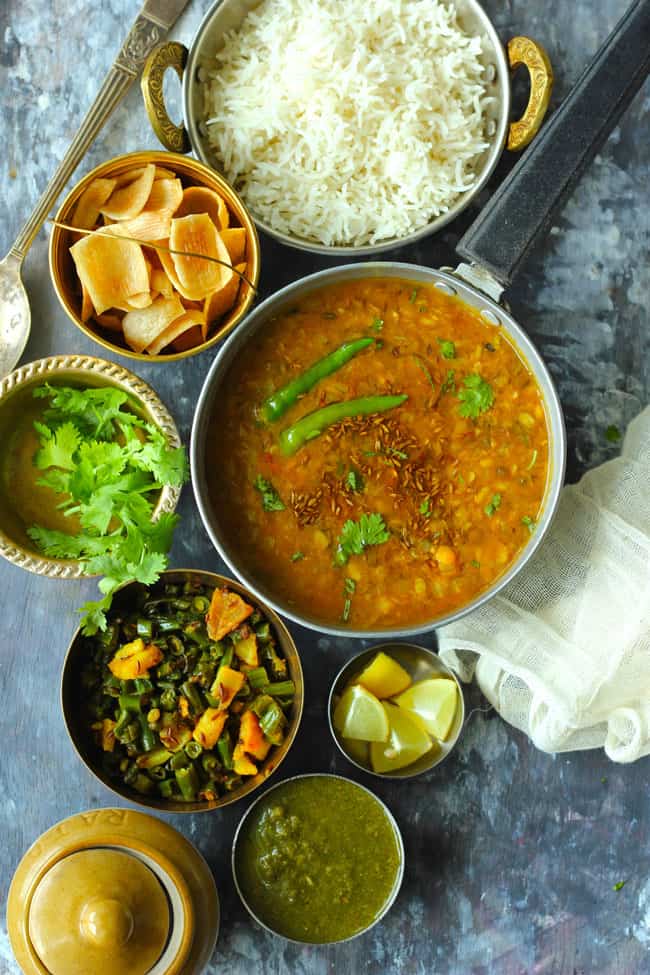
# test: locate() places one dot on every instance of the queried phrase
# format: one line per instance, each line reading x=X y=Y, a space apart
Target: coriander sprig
x=356 y=536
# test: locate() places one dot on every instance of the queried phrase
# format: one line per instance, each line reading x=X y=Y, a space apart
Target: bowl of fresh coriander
x=92 y=470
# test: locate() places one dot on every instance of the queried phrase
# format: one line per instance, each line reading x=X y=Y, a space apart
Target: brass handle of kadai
x=169 y=54
x=530 y=54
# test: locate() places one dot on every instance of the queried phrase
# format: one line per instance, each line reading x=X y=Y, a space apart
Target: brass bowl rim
x=206 y=175
x=399 y=877
x=115 y=375
x=270 y=765
x=347 y=670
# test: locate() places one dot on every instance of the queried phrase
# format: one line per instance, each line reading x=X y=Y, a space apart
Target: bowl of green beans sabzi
x=189 y=699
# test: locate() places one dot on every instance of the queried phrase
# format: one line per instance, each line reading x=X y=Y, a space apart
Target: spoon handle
x=149 y=27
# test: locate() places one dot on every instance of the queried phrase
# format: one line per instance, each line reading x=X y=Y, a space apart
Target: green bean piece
x=130 y=734
x=168 y=699
x=226 y=660
x=313 y=424
x=213 y=701
x=258 y=678
x=148 y=736
x=193 y=749
x=263 y=631
x=224 y=747
x=260 y=704
x=211 y=764
x=166 y=788
x=277 y=404
x=178 y=760
x=217 y=650
x=123 y=720
x=278 y=664
x=144 y=629
x=188 y=782
x=129 y=702
x=272 y=723
x=166 y=625
x=142 y=685
x=157 y=773
x=232 y=782
x=130 y=774
x=143 y=784
x=158 y=756
x=285 y=688
x=109 y=638
x=193 y=695
x=200 y=604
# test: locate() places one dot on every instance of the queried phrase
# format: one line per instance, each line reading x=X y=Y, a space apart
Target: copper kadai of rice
x=348 y=121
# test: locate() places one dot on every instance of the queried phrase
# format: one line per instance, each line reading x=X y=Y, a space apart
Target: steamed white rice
x=348 y=121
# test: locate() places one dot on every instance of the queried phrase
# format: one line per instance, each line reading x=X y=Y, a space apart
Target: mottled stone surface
x=512 y=854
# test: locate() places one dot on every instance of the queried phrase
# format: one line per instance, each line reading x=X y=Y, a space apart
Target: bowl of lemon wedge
x=396 y=710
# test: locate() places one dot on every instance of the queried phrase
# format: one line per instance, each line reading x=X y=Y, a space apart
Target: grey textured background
x=512 y=854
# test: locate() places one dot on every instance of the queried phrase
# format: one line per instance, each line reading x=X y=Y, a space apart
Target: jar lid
x=102 y=911
x=116 y=891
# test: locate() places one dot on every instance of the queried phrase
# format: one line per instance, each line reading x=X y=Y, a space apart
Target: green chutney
x=317 y=859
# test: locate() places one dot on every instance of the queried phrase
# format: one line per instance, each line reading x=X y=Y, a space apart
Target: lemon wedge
x=406 y=742
x=384 y=677
x=360 y=715
x=433 y=704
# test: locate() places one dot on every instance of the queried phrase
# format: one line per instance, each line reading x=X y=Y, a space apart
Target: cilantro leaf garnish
x=476 y=397
x=297 y=557
x=377 y=324
x=350 y=586
x=413 y=295
x=356 y=536
x=620 y=885
x=107 y=464
x=529 y=523
x=493 y=505
x=354 y=480
x=271 y=500
x=425 y=508
x=449 y=385
x=447 y=349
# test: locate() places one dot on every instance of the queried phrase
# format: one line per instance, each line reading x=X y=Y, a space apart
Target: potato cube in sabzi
x=209 y=727
x=110 y=269
x=197 y=234
x=134 y=660
x=246 y=650
x=226 y=684
x=200 y=199
x=108 y=737
x=242 y=764
x=143 y=327
x=235 y=241
x=129 y=200
x=251 y=736
x=89 y=204
x=227 y=610
x=184 y=322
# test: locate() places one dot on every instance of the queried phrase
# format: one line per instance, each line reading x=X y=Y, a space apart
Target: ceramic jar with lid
x=112 y=891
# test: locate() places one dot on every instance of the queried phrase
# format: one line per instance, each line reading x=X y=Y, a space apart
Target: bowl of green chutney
x=318 y=859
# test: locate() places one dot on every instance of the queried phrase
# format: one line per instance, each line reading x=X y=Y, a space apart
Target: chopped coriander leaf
x=476 y=397
x=620 y=885
x=354 y=480
x=425 y=508
x=447 y=349
x=413 y=295
x=422 y=308
x=449 y=385
x=347 y=606
x=425 y=369
x=492 y=505
x=612 y=434
x=271 y=500
x=350 y=586
x=397 y=453
x=531 y=463
x=356 y=536
x=475 y=563
x=377 y=324
x=297 y=556
x=529 y=523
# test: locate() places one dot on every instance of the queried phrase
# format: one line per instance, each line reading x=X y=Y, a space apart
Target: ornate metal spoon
x=150 y=26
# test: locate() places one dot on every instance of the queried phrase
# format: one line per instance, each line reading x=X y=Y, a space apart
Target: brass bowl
x=15 y=394
x=421 y=663
x=72 y=694
x=63 y=272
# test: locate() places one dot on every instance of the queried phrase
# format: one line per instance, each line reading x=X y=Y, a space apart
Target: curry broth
x=458 y=495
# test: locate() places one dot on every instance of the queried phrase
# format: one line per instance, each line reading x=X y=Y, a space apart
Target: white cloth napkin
x=563 y=652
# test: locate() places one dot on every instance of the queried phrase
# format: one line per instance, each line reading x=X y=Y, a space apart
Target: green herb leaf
x=413 y=295
x=58 y=449
x=271 y=500
x=612 y=434
x=425 y=369
x=447 y=349
x=476 y=397
x=529 y=523
x=350 y=586
x=376 y=325
x=449 y=385
x=370 y=529
x=475 y=563
x=492 y=505
x=297 y=556
x=620 y=885
x=532 y=460
x=354 y=480
x=397 y=453
x=347 y=606
x=425 y=508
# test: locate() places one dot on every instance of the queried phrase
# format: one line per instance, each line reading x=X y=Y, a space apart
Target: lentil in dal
x=443 y=489
x=317 y=859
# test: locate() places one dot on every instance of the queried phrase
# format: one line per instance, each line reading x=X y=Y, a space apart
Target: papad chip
x=197 y=234
x=127 y=201
x=219 y=302
x=141 y=328
x=86 y=213
x=190 y=319
x=235 y=240
x=110 y=268
x=200 y=199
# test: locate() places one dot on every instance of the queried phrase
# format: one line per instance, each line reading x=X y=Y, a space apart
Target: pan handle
x=521 y=209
